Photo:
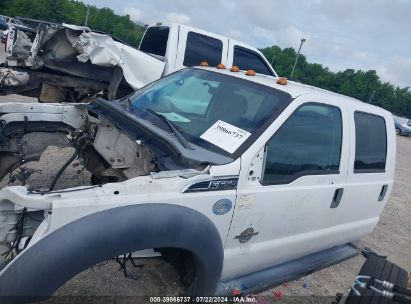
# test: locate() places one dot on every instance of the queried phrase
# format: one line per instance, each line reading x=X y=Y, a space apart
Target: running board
x=268 y=278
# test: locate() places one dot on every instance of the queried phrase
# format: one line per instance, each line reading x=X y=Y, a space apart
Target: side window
x=202 y=48
x=308 y=143
x=370 y=143
x=246 y=59
x=155 y=40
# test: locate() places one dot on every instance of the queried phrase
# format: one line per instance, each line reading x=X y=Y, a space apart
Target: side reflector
x=250 y=73
x=282 y=81
x=235 y=68
x=204 y=63
x=221 y=66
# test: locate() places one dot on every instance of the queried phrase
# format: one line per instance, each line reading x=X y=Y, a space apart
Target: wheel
x=397 y=131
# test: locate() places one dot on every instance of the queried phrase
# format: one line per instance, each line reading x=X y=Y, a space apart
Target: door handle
x=383 y=192
x=337 y=197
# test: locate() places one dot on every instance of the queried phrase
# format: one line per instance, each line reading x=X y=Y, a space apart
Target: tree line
x=363 y=85
x=74 y=12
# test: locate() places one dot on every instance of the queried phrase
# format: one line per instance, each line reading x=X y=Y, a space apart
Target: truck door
x=195 y=46
x=246 y=58
x=371 y=170
x=291 y=181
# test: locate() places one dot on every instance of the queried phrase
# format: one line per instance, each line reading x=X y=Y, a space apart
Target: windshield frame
x=285 y=101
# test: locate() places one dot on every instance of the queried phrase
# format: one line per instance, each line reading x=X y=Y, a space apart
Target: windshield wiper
x=184 y=142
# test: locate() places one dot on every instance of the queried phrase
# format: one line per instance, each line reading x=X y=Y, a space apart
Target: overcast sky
x=340 y=34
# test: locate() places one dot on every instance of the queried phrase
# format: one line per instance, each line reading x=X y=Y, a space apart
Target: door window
x=370 y=143
x=155 y=40
x=202 y=48
x=246 y=59
x=308 y=143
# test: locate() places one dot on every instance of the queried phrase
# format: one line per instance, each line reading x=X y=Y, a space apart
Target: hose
x=68 y=162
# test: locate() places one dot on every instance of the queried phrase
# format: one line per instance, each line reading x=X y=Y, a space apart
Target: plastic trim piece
x=46 y=265
x=271 y=277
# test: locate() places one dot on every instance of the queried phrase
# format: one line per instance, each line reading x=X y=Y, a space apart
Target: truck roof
x=293 y=88
x=196 y=29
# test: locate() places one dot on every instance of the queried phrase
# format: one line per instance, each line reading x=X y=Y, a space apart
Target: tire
x=397 y=131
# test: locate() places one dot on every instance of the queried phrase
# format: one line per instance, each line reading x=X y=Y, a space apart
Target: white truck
x=240 y=180
x=68 y=63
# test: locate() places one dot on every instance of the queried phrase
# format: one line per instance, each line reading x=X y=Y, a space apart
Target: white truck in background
x=69 y=63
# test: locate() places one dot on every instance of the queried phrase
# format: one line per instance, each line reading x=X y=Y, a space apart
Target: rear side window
x=155 y=40
x=202 y=48
x=246 y=59
x=308 y=143
x=370 y=143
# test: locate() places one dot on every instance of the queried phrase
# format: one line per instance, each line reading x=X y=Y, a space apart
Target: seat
x=229 y=109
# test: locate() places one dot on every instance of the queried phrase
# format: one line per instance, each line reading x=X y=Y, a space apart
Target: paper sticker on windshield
x=172 y=116
x=225 y=136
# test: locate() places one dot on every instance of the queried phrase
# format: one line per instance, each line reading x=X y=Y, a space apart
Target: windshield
x=215 y=111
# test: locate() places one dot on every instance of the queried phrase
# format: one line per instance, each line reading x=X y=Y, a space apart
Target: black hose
x=401 y=299
x=402 y=290
x=67 y=163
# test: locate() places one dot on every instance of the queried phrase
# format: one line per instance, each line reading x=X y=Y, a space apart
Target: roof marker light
x=204 y=64
x=221 y=66
x=282 y=80
x=250 y=73
x=235 y=68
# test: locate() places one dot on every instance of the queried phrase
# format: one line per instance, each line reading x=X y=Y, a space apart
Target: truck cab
x=243 y=180
x=184 y=46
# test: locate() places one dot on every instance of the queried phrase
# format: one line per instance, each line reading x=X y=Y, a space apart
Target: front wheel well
x=183 y=261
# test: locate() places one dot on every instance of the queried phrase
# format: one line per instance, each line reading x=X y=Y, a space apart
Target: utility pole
x=372 y=95
x=298 y=55
x=88 y=12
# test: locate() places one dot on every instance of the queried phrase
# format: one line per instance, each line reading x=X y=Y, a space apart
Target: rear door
x=289 y=187
x=246 y=58
x=196 y=46
x=370 y=172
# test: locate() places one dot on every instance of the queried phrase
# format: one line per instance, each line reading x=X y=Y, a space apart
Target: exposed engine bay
x=97 y=146
x=102 y=139
x=106 y=152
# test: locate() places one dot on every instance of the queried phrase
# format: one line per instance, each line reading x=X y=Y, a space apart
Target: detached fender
x=42 y=268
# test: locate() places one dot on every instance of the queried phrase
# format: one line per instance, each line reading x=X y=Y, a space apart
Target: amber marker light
x=204 y=63
x=235 y=68
x=250 y=73
x=221 y=66
x=282 y=81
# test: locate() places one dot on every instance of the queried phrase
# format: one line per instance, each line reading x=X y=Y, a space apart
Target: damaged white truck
x=241 y=181
x=69 y=63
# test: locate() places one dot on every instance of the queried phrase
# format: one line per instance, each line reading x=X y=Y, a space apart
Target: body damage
x=70 y=63
x=129 y=163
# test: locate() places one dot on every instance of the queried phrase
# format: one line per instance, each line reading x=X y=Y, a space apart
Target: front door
x=286 y=197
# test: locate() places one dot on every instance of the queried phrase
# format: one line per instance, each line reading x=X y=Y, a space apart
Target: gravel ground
x=392 y=237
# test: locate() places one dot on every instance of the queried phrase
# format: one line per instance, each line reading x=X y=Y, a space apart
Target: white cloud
x=397 y=71
x=134 y=13
x=178 y=18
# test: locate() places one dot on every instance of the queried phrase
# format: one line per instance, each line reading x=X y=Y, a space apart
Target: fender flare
x=56 y=258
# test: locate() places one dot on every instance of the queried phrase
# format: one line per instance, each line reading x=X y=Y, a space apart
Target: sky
x=340 y=34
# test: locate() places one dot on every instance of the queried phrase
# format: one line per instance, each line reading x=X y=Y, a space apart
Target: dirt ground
x=392 y=237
